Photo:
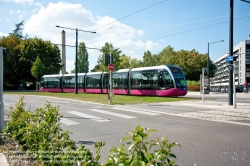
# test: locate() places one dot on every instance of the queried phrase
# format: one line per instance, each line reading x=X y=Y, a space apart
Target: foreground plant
x=138 y=153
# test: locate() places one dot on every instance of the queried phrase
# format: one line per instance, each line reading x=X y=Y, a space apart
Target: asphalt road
x=204 y=141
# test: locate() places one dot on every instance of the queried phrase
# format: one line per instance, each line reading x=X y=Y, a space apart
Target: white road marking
x=113 y=113
x=68 y=122
x=184 y=116
x=135 y=111
x=95 y=118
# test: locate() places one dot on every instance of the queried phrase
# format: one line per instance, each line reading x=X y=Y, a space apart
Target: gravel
x=14 y=155
x=229 y=113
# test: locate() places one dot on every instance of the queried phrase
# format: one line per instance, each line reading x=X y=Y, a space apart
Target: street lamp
x=76 y=68
x=208 y=59
x=208 y=55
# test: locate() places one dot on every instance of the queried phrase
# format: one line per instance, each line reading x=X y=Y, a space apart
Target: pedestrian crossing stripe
x=68 y=122
x=87 y=116
x=135 y=111
x=113 y=113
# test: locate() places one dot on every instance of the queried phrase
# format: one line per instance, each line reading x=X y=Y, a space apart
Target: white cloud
x=20 y=17
x=42 y=24
x=18 y=1
x=18 y=11
x=3 y=34
x=140 y=32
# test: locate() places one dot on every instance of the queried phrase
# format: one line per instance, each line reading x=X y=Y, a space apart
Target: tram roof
x=93 y=73
x=79 y=74
x=150 y=68
x=54 y=75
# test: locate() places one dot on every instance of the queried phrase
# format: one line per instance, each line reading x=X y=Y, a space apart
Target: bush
x=193 y=83
x=40 y=135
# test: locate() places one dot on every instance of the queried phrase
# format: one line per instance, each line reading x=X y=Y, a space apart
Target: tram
x=164 y=80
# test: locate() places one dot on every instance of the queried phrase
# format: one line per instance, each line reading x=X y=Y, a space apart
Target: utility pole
x=230 y=85
x=1 y=91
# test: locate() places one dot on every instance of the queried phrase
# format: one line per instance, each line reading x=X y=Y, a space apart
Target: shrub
x=193 y=83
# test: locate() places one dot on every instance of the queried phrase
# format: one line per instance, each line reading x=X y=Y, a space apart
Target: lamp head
x=57 y=26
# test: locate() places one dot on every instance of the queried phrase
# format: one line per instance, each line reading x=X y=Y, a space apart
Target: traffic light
x=112 y=58
x=5 y=52
x=107 y=59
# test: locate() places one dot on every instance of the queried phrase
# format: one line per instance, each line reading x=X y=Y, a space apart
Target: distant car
x=239 y=89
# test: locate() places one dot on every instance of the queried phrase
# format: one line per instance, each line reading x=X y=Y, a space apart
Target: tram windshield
x=179 y=77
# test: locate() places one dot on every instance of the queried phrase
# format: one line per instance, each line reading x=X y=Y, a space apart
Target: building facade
x=241 y=52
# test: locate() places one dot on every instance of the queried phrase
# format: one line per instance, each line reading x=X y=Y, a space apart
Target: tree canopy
x=22 y=53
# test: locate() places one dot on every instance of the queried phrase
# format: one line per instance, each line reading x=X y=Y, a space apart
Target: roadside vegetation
x=39 y=140
x=103 y=98
x=193 y=85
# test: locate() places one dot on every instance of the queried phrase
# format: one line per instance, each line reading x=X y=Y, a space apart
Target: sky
x=133 y=26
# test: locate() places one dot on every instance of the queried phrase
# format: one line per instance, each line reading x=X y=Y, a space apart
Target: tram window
x=136 y=80
x=105 y=81
x=166 y=79
x=150 y=79
x=42 y=82
x=93 y=81
x=52 y=82
x=115 y=80
x=80 y=81
x=69 y=82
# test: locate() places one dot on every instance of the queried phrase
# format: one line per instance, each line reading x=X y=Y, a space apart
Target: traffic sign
x=230 y=58
x=111 y=66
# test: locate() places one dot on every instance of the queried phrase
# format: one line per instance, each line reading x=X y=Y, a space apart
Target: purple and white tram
x=164 y=80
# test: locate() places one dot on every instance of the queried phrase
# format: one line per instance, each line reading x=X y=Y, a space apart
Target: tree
x=135 y=63
x=11 y=74
x=18 y=31
x=148 y=59
x=38 y=68
x=124 y=61
x=165 y=54
x=49 y=54
x=82 y=59
x=22 y=55
x=106 y=49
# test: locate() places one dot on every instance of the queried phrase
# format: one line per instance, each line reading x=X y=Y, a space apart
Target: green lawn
x=103 y=98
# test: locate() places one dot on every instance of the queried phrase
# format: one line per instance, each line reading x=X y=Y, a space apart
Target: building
x=241 y=52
